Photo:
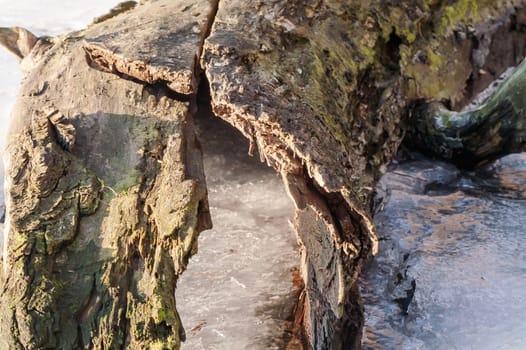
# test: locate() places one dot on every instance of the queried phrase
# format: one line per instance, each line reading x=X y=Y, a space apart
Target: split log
x=106 y=193
x=322 y=89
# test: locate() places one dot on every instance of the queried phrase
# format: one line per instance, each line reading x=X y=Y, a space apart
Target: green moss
x=463 y=10
x=435 y=61
x=368 y=53
x=164 y=345
x=125 y=185
x=403 y=26
x=315 y=93
x=166 y=315
x=410 y=37
x=117 y=10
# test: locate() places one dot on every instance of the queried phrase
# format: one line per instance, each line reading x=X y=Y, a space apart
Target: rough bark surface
x=106 y=197
x=322 y=88
x=495 y=128
x=270 y=67
x=157 y=42
x=106 y=193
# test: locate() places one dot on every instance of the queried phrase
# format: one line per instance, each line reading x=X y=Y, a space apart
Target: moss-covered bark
x=105 y=187
x=322 y=88
x=495 y=128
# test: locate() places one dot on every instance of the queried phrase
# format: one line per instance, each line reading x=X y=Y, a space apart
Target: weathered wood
x=495 y=128
x=106 y=177
x=18 y=41
x=158 y=42
x=321 y=87
x=106 y=197
x=270 y=67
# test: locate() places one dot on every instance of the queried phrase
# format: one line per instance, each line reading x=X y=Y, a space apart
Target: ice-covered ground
x=237 y=292
x=450 y=270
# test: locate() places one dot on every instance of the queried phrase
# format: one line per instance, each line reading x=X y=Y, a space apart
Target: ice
x=450 y=271
x=52 y=17
x=237 y=292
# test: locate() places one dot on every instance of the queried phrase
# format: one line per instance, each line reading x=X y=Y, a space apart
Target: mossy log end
x=105 y=187
x=495 y=128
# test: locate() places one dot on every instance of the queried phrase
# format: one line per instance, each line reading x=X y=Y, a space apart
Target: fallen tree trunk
x=106 y=193
x=322 y=89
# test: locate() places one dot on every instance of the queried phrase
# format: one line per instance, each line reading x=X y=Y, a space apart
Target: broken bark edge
x=351 y=231
x=182 y=82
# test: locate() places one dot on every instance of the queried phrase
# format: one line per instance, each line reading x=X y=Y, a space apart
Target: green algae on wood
x=493 y=129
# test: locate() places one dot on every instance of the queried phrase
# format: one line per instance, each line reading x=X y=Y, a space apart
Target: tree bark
x=106 y=197
x=322 y=88
x=493 y=129
x=106 y=192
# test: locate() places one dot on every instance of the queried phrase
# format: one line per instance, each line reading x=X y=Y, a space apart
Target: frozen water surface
x=450 y=273
x=237 y=292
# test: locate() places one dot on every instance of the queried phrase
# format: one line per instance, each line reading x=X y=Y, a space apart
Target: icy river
x=450 y=274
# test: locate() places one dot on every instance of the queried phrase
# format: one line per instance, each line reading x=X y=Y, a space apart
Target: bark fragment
x=156 y=42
